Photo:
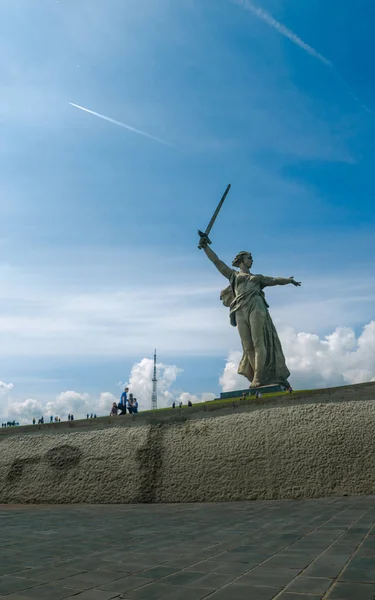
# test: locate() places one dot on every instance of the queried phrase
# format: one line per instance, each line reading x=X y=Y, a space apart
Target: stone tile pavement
x=284 y=550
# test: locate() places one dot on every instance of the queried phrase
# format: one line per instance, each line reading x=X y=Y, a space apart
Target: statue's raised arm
x=219 y=264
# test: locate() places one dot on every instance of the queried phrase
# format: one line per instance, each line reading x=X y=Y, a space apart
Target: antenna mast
x=154 y=397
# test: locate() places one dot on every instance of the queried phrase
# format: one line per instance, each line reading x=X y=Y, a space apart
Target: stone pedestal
x=265 y=389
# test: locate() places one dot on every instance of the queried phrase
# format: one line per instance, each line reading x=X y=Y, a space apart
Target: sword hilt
x=203 y=236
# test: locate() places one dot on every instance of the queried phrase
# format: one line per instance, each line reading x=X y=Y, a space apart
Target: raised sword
x=204 y=234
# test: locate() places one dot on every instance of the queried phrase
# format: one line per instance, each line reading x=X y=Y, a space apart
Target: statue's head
x=243 y=258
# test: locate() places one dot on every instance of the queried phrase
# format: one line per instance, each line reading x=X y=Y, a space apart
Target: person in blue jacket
x=123 y=401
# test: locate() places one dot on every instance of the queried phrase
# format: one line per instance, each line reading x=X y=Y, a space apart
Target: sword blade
x=213 y=219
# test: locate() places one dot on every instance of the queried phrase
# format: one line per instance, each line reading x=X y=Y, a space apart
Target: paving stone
x=364 y=562
x=239 y=557
x=48 y=592
x=352 y=591
x=310 y=585
x=364 y=552
x=250 y=554
x=265 y=575
x=15 y=597
x=94 y=595
x=359 y=575
x=135 y=567
x=183 y=562
x=126 y=584
x=159 y=572
x=9 y=584
x=162 y=591
x=211 y=581
x=90 y=579
x=245 y=592
x=215 y=566
x=330 y=571
x=332 y=559
x=291 y=562
x=87 y=564
x=9 y=570
x=288 y=596
x=46 y=574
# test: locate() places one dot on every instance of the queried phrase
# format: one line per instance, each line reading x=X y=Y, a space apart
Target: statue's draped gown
x=249 y=311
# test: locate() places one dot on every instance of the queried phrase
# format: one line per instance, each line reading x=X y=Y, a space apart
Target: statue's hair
x=239 y=258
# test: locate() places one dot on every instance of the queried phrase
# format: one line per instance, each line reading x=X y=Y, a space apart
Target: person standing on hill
x=124 y=400
x=129 y=405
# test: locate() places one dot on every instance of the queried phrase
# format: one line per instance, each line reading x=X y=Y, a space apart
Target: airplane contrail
x=133 y=129
x=269 y=19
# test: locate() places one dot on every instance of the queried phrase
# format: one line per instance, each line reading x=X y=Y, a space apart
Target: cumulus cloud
x=80 y=404
x=339 y=358
x=230 y=379
x=25 y=411
x=140 y=384
x=5 y=388
x=184 y=397
x=69 y=402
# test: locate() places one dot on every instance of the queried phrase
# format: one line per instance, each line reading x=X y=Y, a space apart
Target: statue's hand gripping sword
x=204 y=235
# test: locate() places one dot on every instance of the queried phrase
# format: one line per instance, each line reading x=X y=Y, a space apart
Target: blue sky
x=98 y=256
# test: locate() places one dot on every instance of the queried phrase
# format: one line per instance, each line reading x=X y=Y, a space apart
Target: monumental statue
x=263 y=361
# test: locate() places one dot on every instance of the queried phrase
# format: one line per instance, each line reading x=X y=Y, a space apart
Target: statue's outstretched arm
x=219 y=264
x=270 y=281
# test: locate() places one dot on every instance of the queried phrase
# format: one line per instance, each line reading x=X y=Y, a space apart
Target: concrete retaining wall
x=289 y=447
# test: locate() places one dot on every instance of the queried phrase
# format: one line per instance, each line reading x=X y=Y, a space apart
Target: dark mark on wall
x=149 y=459
x=17 y=467
x=60 y=458
x=63 y=457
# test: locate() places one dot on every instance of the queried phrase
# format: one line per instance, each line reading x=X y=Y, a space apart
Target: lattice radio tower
x=154 y=397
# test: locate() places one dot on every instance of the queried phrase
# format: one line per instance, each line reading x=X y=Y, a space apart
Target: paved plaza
x=287 y=550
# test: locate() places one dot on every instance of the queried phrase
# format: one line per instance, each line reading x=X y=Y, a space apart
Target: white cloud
x=184 y=397
x=47 y=314
x=46 y=317
x=69 y=402
x=230 y=379
x=5 y=388
x=25 y=411
x=80 y=404
x=140 y=382
x=339 y=358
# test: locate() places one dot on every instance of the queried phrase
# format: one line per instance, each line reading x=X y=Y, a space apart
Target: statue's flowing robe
x=245 y=294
